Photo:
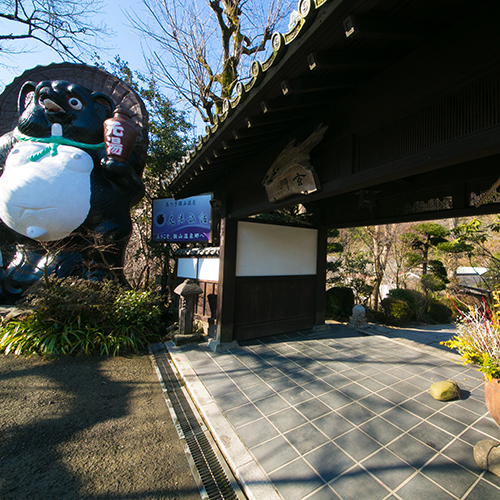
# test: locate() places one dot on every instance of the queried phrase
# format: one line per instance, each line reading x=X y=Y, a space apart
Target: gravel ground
x=88 y=427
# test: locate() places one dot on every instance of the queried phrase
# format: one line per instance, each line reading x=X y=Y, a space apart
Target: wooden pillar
x=227 y=279
x=321 y=276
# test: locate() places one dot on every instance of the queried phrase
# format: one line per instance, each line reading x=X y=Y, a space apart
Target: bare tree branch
x=65 y=26
x=201 y=50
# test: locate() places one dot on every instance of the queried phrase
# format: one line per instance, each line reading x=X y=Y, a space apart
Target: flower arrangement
x=478 y=337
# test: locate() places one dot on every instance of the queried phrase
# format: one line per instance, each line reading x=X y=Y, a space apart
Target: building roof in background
x=479 y=271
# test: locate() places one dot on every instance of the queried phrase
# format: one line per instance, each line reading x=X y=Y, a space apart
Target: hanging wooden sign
x=291 y=173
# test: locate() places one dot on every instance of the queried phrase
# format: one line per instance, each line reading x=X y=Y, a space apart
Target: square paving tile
x=401 y=418
x=388 y=468
x=243 y=415
x=358 y=482
x=325 y=493
x=355 y=391
x=421 y=487
x=448 y=474
x=318 y=387
x=458 y=412
x=306 y=438
x=335 y=399
x=356 y=413
x=273 y=454
x=296 y=480
x=257 y=392
x=333 y=425
x=337 y=380
x=231 y=400
x=381 y=430
x=417 y=408
x=257 y=432
x=272 y=404
x=296 y=395
x=393 y=396
x=483 y=491
x=329 y=461
x=446 y=423
x=432 y=436
x=312 y=409
x=282 y=384
x=376 y=404
x=287 y=419
x=406 y=388
x=411 y=451
x=357 y=444
x=462 y=453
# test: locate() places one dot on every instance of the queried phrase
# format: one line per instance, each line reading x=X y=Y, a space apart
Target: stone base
x=487 y=455
x=186 y=339
x=216 y=346
x=360 y=323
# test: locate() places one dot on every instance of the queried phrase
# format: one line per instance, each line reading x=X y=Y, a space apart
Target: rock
x=445 y=390
x=487 y=455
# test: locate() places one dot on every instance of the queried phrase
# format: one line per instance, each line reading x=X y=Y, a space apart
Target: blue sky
x=126 y=43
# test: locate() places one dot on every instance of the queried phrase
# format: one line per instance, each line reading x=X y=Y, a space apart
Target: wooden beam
x=337 y=60
x=382 y=29
x=320 y=84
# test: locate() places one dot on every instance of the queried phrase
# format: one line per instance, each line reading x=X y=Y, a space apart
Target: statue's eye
x=75 y=103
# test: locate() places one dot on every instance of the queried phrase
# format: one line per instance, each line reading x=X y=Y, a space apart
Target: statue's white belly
x=48 y=198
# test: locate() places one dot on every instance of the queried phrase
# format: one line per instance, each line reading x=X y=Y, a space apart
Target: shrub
x=77 y=316
x=339 y=303
x=403 y=294
x=439 y=313
x=417 y=301
x=397 y=311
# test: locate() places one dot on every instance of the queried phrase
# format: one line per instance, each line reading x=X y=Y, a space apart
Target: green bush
x=339 y=303
x=397 y=311
x=403 y=294
x=439 y=313
x=72 y=316
x=417 y=301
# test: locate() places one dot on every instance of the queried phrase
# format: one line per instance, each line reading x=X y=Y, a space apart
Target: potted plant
x=478 y=342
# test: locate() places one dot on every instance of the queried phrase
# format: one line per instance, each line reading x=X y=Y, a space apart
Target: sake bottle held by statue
x=119 y=135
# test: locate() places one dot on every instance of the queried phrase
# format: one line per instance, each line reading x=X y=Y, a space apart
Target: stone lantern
x=188 y=292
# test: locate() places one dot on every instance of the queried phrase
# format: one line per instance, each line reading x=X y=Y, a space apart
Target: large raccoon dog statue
x=64 y=204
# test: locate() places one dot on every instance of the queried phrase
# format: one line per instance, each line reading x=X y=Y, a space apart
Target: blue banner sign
x=185 y=221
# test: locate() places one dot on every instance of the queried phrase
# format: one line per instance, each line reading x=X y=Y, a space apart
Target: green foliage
x=413 y=259
x=72 y=316
x=339 y=303
x=431 y=230
x=397 y=311
x=355 y=274
x=168 y=136
x=168 y=128
x=432 y=283
x=417 y=301
x=439 y=313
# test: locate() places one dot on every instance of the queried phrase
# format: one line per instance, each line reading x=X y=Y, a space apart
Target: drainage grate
x=212 y=474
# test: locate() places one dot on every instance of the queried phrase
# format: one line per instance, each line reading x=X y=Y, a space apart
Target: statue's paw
x=114 y=168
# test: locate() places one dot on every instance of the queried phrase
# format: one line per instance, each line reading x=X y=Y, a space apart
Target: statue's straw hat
x=92 y=78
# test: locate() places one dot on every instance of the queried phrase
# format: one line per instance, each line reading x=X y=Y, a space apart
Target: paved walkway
x=334 y=414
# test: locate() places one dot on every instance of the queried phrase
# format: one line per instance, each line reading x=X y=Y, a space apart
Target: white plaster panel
x=271 y=250
x=208 y=269
x=186 y=268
